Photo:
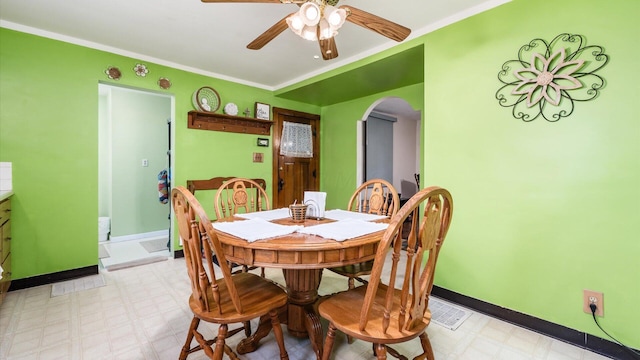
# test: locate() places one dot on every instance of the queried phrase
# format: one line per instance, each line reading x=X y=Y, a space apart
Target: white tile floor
x=127 y=251
x=142 y=313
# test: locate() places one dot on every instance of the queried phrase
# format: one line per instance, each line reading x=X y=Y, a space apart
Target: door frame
x=276 y=136
x=170 y=124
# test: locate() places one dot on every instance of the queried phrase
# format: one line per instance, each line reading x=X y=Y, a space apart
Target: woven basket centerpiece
x=298 y=212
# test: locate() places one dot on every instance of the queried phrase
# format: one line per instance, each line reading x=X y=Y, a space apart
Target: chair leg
x=247 y=328
x=426 y=347
x=230 y=353
x=277 y=331
x=380 y=351
x=187 y=344
x=219 y=351
x=205 y=345
x=328 y=342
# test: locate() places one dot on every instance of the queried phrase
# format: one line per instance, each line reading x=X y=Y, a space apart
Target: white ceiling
x=211 y=38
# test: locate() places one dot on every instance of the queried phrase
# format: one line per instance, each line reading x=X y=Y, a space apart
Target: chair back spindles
x=209 y=187
x=239 y=195
x=376 y=196
x=418 y=275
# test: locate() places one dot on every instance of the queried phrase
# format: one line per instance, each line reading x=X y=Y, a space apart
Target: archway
x=405 y=139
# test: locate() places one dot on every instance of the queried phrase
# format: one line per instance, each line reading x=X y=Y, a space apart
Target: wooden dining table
x=301 y=258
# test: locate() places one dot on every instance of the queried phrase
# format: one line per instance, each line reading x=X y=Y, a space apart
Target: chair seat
x=355 y=270
x=257 y=295
x=339 y=310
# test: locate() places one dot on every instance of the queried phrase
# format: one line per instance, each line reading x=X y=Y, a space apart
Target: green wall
x=49 y=130
x=542 y=210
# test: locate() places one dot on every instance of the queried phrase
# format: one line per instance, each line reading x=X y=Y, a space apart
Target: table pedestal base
x=301 y=319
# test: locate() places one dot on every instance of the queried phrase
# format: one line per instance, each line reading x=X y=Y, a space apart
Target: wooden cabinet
x=5 y=247
x=228 y=123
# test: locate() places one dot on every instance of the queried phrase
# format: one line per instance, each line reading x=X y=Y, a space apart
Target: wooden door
x=293 y=176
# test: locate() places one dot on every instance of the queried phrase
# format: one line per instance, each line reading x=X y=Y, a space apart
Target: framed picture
x=263 y=111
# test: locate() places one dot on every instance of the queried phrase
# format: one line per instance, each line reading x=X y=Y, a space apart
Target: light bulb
x=336 y=17
x=295 y=22
x=310 y=13
x=309 y=33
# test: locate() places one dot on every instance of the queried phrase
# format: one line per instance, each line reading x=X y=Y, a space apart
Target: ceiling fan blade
x=382 y=26
x=328 y=48
x=270 y=34
x=242 y=1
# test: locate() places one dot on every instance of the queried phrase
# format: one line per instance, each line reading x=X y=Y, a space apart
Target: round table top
x=299 y=251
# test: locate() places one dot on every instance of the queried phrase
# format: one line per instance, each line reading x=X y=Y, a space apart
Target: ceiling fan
x=320 y=20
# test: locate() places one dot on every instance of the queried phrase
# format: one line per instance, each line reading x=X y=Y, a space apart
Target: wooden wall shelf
x=228 y=123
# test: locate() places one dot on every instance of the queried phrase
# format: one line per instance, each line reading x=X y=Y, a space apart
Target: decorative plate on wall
x=113 y=73
x=164 y=83
x=206 y=99
x=231 y=109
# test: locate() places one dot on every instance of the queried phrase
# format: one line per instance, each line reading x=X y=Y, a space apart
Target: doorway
x=402 y=146
x=292 y=176
x=135 y=142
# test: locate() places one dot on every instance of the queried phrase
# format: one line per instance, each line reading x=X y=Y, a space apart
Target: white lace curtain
x=296 y=140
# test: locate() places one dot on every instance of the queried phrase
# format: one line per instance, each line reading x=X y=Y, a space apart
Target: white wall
x=406 y=147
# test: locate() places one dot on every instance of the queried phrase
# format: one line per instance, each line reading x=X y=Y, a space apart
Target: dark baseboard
x=581 y=339
x=46 y=279
x=19 y=284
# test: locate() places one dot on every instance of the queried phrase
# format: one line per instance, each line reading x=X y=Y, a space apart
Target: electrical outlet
x=593 y=297
x=145 y=162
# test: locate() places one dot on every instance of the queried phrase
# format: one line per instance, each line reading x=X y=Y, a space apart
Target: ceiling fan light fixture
x=295 y=23
x=326 y=31
x=310 y=13
x=335 y=17
x=309 y=33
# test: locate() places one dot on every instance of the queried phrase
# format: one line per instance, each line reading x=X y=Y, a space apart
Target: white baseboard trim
x=152 y=234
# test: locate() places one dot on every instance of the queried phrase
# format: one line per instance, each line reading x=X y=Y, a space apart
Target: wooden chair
x=216 y=183
x=388 y=315
x=378 y=197
x=231 y=299
x=240 y=195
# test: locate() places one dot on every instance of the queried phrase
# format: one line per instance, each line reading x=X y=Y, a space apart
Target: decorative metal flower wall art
x=548 y=79
x=141 y=70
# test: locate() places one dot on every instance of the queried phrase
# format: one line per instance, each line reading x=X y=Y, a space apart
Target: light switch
x=258 y=157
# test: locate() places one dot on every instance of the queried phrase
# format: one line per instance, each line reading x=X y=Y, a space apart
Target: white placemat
x=338 y=214
x=266 y=215
x=344 y=229
x=255 y=229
